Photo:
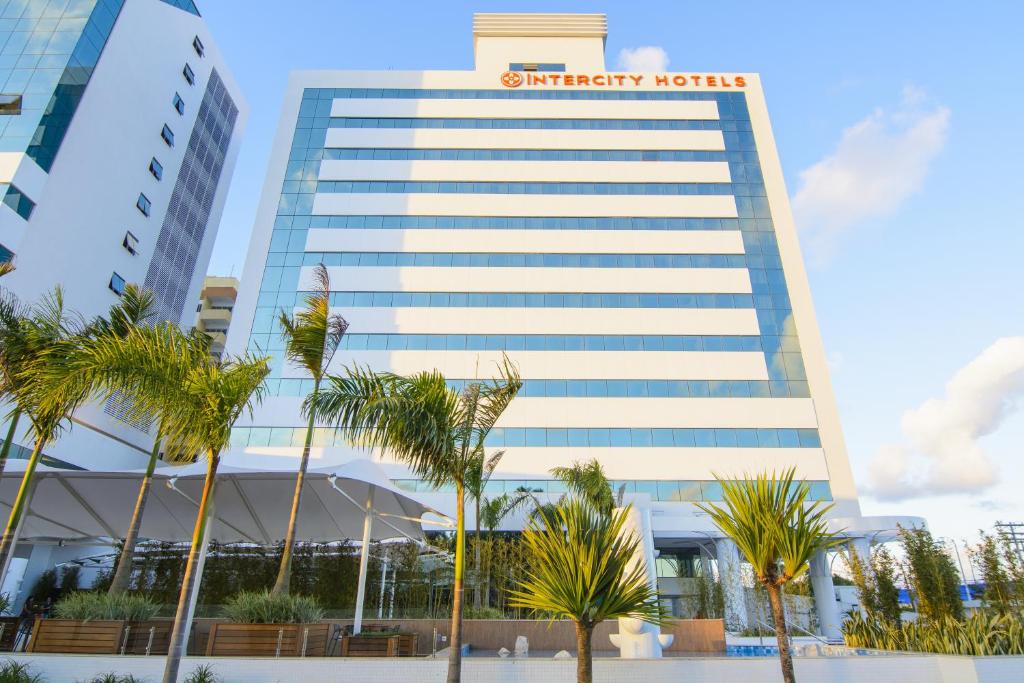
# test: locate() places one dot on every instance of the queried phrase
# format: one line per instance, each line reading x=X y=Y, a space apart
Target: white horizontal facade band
x=553 y=280
x=737 y=413
x=574 y=205
x=651 y=463
x=708 y=321
x=515 y=171
x=716 y=365
x=706 y=110
x=531 y=241
x=506 y=138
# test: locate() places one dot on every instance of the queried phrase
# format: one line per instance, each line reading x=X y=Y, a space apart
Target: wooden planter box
x=267 y=640
x=77 y=637
x=398 y=645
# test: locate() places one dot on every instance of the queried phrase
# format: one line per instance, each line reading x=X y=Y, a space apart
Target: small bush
x=88 y=606
x=263 y=607
x=483 y=613
x=203 y=674
x=13 y=672
x=115 y=678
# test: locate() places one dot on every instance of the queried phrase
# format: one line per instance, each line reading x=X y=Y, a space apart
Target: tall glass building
x=119 y=128
x=625 y=238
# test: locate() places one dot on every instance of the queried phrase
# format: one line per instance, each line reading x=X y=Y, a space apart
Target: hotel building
x=625 y=238
x=119 y=128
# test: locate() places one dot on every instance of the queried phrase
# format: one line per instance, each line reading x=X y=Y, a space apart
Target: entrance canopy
x=251 y=506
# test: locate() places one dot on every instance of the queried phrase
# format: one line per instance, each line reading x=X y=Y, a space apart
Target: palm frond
x=581 y=567
x=772 y=523
x=312 y=335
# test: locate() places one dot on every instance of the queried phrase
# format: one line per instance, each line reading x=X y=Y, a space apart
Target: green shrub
x=483 y=613
x=13 y=672
x=89 y=606
x=263 y=607
x=115 y=678
x=980 y=635
x=203 y=674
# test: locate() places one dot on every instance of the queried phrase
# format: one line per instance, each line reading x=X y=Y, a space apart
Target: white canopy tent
x=353 y=500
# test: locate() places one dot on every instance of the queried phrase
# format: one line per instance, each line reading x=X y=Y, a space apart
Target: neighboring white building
x=119 y=129
x=626 y=238
x=213 y=314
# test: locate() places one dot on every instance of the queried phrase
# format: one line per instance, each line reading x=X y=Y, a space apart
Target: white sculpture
x=637 y=639
x=562 y=654
x=522 y=647
x=504 y=652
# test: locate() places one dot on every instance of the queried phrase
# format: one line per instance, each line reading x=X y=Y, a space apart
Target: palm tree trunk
x=455 y=641
x=15 y=416
x=779 y=617
x=476 y=555
x=10 y=538
x=284 y=572
x=123 y=575
x=190 y=582
x=584 y=655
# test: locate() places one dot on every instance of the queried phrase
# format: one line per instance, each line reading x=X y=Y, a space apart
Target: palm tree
x=12 y=331
x=491 y=512
x=432 y=428
x=482 y=467
x=311 y=338
x=136 y=307
x=582 y=569
x=778 y=531
x=48 y=331
x=169 y=374
x=588 y=481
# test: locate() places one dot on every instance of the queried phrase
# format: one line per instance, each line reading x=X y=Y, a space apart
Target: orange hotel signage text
x=513 y=79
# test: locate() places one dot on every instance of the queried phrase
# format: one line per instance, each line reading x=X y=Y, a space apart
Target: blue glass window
x=116 y=284
x=143 y=204
x=403 y=259
x=179 y=104
x=17 y=200
x=390 y=186
x=535 y=66
x=190 y=76
x=156 y=168
x=168 y=135
x=199 y=47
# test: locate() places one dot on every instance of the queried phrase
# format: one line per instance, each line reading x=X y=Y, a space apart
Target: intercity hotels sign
x=514 y=79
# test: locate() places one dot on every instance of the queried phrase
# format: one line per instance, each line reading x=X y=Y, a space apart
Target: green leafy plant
x=438 y=432
x=16 y=672
x=311 y=338
x=778 y=530
x=267 y=607
x=94 y=606
x=932 y=575
x=582 y=569
x=115 y=678
x=203 y=674
x=980 y=635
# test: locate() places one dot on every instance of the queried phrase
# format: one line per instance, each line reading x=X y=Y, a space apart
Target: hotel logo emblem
x=510 y=79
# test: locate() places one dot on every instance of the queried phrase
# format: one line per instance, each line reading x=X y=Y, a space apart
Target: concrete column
x=732 y=584
x=825 y=596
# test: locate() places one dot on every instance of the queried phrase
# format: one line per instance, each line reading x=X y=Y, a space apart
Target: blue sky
x=898 y=125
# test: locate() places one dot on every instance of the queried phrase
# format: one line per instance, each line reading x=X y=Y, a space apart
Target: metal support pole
x=364 y=557
x=383 y=585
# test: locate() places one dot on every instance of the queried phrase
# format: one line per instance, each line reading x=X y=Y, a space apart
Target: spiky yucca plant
x=92 y=606
x=581 y=568
x=778 y=531
x=267 y=607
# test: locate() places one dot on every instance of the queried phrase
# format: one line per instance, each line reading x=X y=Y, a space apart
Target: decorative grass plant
x=264 y=607
x=89 y=606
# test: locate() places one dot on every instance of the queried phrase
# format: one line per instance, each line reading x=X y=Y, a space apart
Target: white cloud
x=941 y=453
x=645 y=59
x=879 y=162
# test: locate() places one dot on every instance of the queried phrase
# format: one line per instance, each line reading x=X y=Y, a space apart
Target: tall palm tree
x=778 y=531
x=432 y=428
x=136 y=307
x=311 y=338
x=481 y=468
x=582 y=569
x=169 y=374
x=48 y=331
x=12 y=348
